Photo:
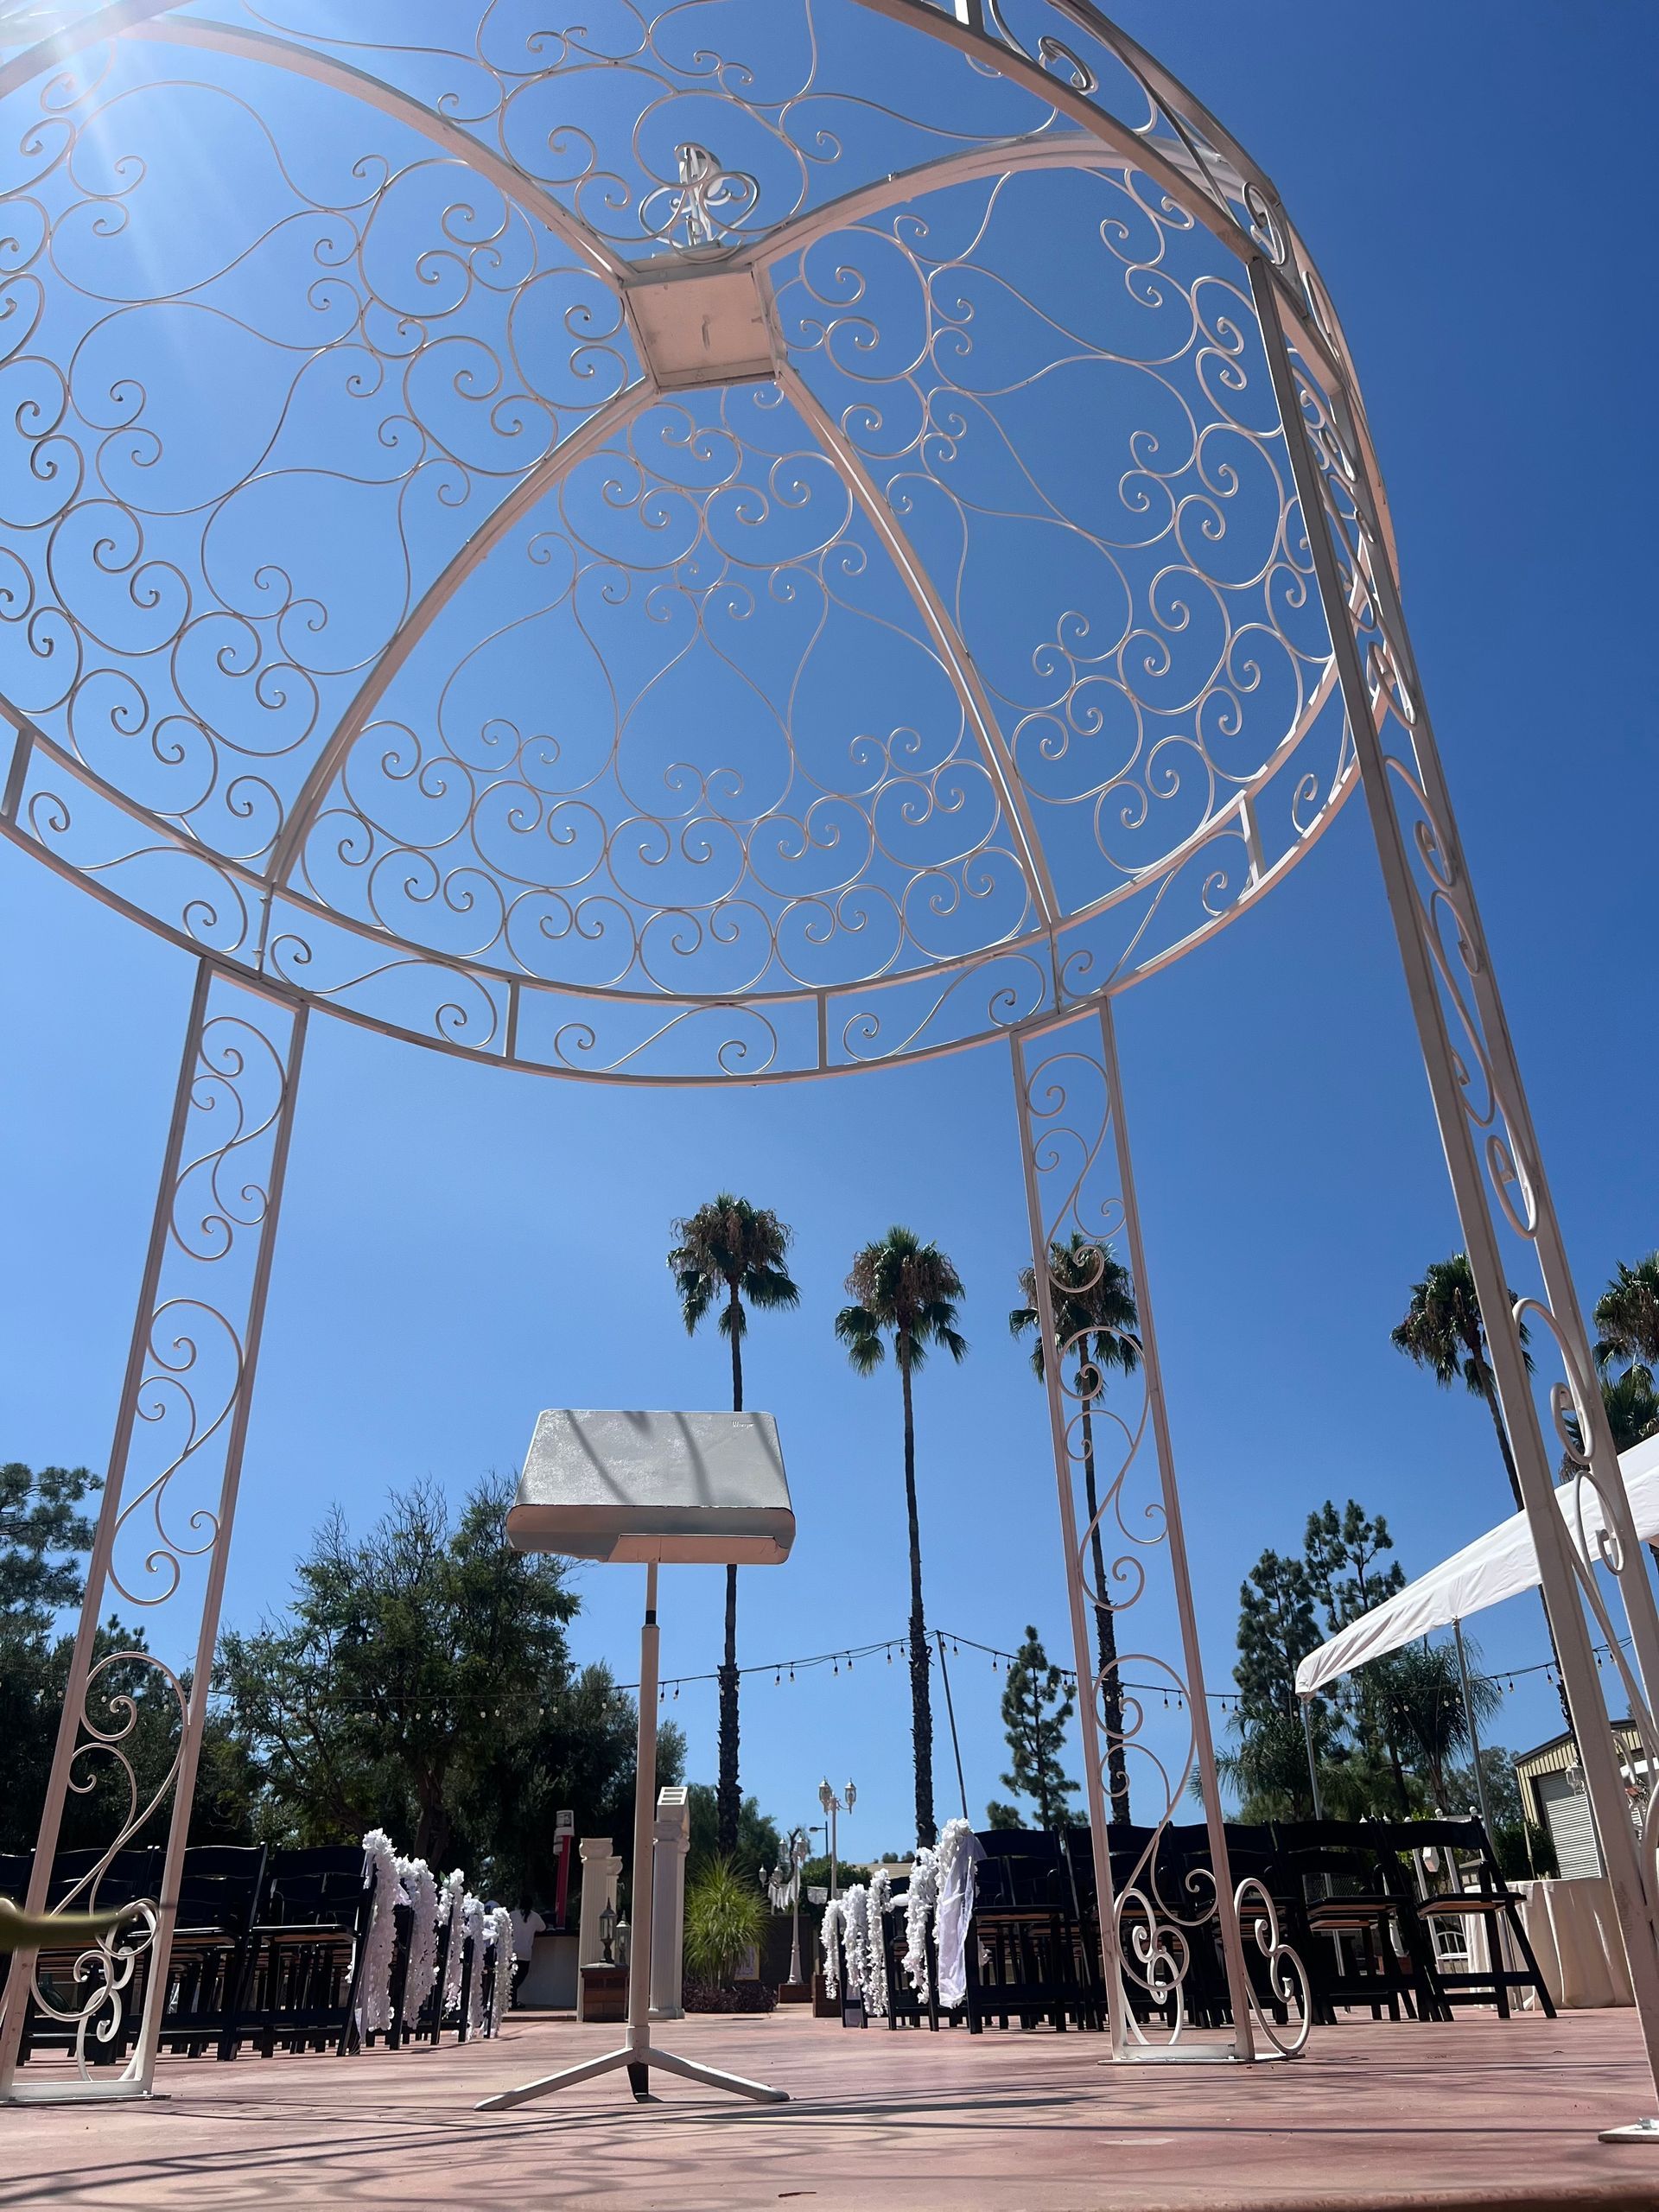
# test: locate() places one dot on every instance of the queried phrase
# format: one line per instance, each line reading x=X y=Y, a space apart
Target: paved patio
x=1376 y=2115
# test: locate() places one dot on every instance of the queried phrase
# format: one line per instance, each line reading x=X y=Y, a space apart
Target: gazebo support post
x=1070 y=1091
x=183 y=1417
x=1481 y=1109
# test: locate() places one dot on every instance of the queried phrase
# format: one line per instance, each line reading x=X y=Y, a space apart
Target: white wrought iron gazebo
x=695 y=541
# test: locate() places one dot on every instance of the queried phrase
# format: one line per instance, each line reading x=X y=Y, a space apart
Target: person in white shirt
x=527 y=1925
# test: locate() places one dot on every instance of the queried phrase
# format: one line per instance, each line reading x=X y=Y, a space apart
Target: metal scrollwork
x=131 y=1726
x=1142 y=1718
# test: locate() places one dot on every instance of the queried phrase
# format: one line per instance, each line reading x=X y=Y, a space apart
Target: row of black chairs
x=268 y=1951
x=1372 y=1908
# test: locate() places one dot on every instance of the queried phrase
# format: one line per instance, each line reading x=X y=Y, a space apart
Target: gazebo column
x=163 y=1534
x=1079 y=1182
x=1491 y=1149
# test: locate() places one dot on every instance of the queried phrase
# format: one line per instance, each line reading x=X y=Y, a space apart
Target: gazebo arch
x=639 y=564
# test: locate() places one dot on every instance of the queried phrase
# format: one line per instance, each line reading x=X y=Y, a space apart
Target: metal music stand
x=658 y=1488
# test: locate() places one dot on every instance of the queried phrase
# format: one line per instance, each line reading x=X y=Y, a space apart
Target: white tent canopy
x=1498 y=1565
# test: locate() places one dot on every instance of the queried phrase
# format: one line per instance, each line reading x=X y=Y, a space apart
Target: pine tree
x=1344 y=1561
x=1037 y=1704
x=1276 y=1631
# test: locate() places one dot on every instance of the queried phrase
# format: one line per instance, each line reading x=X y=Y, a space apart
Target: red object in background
x=564 y=1842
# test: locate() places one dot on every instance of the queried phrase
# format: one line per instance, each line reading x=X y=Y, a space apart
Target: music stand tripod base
x=650 y=1487
x=639 y=2064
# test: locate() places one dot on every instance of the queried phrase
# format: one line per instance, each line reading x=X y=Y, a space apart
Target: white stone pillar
x=672 y=1837
x=599 y=1869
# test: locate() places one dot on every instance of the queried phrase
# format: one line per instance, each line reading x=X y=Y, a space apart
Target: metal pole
x=834 y=1807
x=1111 y=1957
x=202 y=1295
x=950 y=1714
x=644 y=1808
x=1474 y=1733
x=1239 y=1992
x=1457 y=1067
x=1312 y=1769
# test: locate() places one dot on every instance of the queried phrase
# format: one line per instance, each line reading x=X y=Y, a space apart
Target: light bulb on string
x=849 y=1662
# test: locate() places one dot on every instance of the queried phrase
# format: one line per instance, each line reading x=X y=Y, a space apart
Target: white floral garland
x=380 y=1944
x=473 y=1920
x=856 y=1914
x=422 y=1890
x=449 y=1912
x=500 y=1942
x=923 y=1895
x=876 y=1993
x=830 y=1937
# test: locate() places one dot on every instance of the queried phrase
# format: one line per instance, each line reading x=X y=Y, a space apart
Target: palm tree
x=730 y=1254
x=908 y=1290
x=1095 y=1314
x=1443 y=1331
x=1627 y=1315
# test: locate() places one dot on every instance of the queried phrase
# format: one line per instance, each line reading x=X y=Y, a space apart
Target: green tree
x=1342 y=1554
x=1443 y=1331
x=1420 y=1687
x=423 y=1683
x=1095 y=1316
x=1276 y=1631
x=41 y=1536
x=1037 y=1704
x=725 y=1917
x=759 y=1841
x=729 y=1256
x=1627 y=1318
x=908 y=1290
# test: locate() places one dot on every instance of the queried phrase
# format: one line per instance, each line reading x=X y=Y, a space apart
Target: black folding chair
x=310 y=1949
x=1369 y=1947
x=1465 y=1855
x=211 y=1967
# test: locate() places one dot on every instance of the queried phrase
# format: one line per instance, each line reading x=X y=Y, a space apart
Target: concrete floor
x=1376 y=2115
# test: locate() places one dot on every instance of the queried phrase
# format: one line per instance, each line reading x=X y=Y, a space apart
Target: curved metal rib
x=615 y=416
x=948 y=640
x=343 y=76
x=91 y=30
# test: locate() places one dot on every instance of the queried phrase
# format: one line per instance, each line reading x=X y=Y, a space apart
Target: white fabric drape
x=1499 y=1565
x=959 y=1849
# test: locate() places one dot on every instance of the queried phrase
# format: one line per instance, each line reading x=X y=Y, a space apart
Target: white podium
x=656 y=1488
x=673 y=1842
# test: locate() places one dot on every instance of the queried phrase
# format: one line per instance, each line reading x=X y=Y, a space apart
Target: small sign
x=564 y=1823
x=818 y=1895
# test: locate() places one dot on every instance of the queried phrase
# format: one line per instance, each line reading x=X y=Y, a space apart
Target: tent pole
x=1312 y=1771
x=1474 y=1733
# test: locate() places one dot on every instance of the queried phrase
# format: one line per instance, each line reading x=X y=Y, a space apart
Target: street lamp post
x=783 y=1887
x=832 y=1805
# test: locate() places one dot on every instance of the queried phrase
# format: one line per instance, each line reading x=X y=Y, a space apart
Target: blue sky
x=462 y=1247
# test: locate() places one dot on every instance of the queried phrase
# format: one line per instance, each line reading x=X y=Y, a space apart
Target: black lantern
x=606 y=1930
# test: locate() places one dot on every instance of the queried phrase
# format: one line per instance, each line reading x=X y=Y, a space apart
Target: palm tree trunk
x=729 y=1793
x=921 y=1704
x=1112 y=1690
x=1496 y=1412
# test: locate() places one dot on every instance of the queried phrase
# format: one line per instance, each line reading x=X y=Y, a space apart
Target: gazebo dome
x=744 y=563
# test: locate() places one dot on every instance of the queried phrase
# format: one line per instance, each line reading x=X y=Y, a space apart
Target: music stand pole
x=639 y=2055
